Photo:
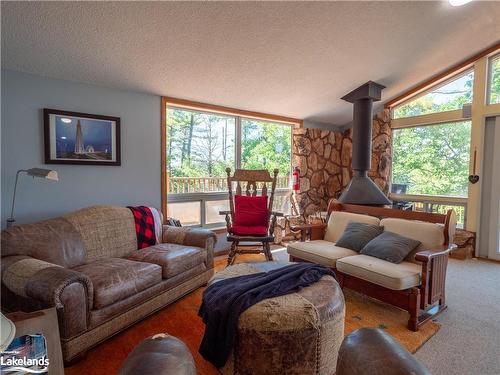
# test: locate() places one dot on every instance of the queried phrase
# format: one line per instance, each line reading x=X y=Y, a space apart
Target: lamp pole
x=11 y=220
x=33 y=172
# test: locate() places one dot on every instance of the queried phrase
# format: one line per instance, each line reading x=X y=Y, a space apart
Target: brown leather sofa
x=372 y=351
x=87 y=265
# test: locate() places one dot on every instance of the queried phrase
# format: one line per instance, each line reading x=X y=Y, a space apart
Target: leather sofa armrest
x=372 y=351
x=310 y=231
x=69 y=291
x=198 y=237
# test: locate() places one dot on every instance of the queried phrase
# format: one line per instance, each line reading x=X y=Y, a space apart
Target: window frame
x=238 y=115
x=436 y=86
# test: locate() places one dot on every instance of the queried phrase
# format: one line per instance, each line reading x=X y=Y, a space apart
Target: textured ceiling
x=295 y=59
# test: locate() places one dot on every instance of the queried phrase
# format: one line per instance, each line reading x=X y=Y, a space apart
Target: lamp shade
x=7 y=332
x=43 y=173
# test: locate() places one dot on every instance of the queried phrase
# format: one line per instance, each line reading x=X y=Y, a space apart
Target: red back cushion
x=250 y=211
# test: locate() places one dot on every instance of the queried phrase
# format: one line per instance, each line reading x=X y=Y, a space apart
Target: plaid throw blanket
x=147 y=225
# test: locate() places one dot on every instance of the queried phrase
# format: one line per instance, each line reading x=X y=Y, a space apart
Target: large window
x=446 y=97
x=200 y=145
x=432 y=160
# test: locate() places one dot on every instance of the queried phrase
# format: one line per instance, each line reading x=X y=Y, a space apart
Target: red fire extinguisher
x=296 y=179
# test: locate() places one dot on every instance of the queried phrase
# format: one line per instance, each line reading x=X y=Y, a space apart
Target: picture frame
x=81 y=138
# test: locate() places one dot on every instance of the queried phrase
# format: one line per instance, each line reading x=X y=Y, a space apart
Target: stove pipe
x=362 y=190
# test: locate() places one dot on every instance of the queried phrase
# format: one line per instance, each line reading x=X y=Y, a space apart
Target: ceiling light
x=66 y=120
x=457 y=3
x=63 y=137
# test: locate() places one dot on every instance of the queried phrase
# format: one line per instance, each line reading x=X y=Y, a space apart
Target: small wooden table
x=42 y=322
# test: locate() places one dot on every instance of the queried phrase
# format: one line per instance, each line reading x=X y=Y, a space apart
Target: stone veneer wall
x=324 y=159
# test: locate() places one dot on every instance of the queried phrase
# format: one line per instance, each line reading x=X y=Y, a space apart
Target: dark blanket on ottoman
x=225 y=300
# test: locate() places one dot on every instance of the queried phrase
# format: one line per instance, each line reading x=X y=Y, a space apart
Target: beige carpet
x=468 y=342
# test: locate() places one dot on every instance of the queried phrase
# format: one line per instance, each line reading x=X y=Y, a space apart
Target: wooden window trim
x=441 y=77
x=188 y=104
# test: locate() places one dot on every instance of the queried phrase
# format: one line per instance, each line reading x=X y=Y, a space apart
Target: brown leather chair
x=159 y=354
x=372 y=351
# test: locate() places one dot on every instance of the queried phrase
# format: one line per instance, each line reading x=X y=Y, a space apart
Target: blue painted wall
x=136 y=181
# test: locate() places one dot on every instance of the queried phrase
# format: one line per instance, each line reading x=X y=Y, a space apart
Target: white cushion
x=319 y=251
x=339 y=219
x=393 y=276
x=430 y=235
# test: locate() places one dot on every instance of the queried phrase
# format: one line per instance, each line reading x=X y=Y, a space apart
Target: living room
x=250 y=187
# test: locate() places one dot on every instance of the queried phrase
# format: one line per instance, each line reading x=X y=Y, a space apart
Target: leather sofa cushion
x=389 y=275
x=115 y=279
x=430 y=235
x=319 y=251
x=173 y=259
x=55 y=241
x=338 y=221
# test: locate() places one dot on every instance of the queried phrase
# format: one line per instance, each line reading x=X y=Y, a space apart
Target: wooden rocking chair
x=236 y=234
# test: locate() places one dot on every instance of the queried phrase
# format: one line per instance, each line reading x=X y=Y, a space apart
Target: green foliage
x=433 y=159
x=266 y=145
x=199 y=144
x=203 y=144
x=446 y=98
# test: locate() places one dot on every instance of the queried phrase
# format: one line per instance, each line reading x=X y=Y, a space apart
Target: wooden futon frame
x=422 y=302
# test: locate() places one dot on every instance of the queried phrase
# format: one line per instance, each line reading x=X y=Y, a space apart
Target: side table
x=43 y=322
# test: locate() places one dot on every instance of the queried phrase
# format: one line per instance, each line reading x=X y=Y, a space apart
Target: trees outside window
x=201 y=145
x=265 y=145
x=450 y=96
x=433 y=159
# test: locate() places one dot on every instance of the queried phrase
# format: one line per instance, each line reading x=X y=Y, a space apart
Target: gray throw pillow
x=390 y=246
x=357 y=235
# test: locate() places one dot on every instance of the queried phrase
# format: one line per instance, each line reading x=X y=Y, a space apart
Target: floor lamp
x=33 y=172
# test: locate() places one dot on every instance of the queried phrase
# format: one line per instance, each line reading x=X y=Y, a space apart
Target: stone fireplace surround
x=324 y=159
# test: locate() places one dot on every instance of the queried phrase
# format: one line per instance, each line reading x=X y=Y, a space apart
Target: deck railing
x=182 y=185
x=436 y=204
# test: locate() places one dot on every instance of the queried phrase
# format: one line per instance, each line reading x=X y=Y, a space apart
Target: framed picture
x=81 y=138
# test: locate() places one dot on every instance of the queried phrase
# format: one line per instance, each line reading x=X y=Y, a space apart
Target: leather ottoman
x=298 y=333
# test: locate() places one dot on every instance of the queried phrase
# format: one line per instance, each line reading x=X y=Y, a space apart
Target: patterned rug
x=181 y=320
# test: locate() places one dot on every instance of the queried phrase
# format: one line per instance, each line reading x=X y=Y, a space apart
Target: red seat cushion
x=250 y=211
x=249 y=231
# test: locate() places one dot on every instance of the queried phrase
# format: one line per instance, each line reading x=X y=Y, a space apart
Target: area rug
x=181 y=320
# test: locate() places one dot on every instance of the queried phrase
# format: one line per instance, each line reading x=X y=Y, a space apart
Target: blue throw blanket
x=225 y=300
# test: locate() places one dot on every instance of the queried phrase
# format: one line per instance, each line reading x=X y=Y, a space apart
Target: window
x=494 y=80
x=201 y=144
x=266 y=145
x=446 y=97
x=432 y=160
